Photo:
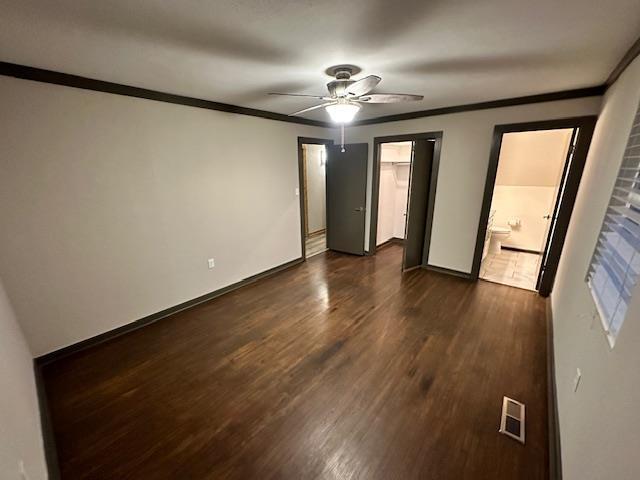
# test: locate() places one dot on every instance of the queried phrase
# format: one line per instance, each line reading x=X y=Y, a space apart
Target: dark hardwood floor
x=340 y=368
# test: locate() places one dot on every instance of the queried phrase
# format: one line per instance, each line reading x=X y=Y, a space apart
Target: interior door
x=570 y=180
x=417 y=206
x=346 y=197
x=552 y=212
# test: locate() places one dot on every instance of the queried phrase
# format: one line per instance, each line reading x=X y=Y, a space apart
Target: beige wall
x=114 y=204
x=316 y=187
x=20 y=436
x=463 y=167
x=533 y=158
x=599 y=424
x=529 y=171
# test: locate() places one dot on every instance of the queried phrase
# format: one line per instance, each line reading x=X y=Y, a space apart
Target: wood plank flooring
x=316 y=244
x=339 y=368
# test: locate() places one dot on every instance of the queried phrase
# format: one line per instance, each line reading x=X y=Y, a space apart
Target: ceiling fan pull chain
x=342 y=138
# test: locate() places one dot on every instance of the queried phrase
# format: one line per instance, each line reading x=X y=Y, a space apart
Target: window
x=615 y=265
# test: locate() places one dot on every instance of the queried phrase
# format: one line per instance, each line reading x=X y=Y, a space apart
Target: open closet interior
x=395 y=170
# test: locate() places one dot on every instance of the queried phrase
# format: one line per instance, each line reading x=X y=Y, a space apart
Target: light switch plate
x=211 y=263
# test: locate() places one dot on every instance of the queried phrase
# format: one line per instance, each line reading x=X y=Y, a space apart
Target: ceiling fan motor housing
x=338 y=88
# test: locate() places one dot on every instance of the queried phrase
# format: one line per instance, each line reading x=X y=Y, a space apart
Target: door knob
x=359 y=209
x=546 y=217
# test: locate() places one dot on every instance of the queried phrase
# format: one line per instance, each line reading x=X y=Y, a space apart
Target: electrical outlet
x=211 y=263
x=576 y=380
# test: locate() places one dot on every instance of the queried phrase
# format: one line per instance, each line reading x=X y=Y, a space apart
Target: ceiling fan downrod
x=342 y=138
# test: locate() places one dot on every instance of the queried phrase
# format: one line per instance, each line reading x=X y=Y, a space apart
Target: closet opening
x=404 y=182
x=312 y=160
x=393 y=195
x=532 y=181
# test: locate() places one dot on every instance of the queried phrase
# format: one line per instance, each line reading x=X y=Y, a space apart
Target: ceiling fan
x=347 y=95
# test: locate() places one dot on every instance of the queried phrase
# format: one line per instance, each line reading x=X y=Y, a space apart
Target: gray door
x=346 y=197
x=417 y=207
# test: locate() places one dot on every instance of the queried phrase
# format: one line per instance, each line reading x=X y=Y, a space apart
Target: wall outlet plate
x=211 y=263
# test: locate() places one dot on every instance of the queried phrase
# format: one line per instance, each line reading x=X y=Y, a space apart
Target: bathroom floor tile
x=509 y=267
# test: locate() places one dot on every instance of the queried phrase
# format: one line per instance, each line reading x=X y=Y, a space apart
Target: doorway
x=532 y=181
x=404 y=182
x=312 y=159
x=393 y=193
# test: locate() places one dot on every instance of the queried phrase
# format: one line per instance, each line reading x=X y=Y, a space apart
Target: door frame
x=586 y=125
x=375 y=185
x=301 y=185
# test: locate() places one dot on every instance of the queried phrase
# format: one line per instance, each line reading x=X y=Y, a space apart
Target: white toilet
x=498 y=235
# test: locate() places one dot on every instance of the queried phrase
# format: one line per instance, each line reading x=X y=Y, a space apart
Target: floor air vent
x=512 y=420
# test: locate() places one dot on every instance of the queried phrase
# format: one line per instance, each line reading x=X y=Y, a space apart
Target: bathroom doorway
x=533 y=177
x=404 y=181
x=312 y=158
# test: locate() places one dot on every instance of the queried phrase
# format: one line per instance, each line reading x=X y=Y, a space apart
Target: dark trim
x=130 y=327
x=48 y=437
x=375 y=184
x=555 y=450
x=301 y=185
x=322 y=231
x=448 y=271
x=507 y=102
x=67 y=80
x=564 y=207
x=586 y=125
x=391 y=241
x=624 y=62
x=525 y=250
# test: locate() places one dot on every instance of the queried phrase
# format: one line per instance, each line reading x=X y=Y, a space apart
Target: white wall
x=599 y=424
x=115 y=203
x=394 y=186
x=463 y=167
x=316 y=187
x=529 y=172
x=386 y=203
x=20 y=434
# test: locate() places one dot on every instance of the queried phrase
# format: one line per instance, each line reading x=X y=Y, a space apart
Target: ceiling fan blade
x=312 y=108
x=363 y=86
x=319 y=97
x=389 y=98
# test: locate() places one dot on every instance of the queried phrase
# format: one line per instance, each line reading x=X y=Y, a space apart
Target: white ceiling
x=236 y=51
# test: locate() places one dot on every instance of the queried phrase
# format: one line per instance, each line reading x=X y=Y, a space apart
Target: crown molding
x=624 y=62
x=68 y=80
x=507 y=102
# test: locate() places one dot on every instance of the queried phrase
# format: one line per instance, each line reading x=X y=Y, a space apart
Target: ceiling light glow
x=342 y=112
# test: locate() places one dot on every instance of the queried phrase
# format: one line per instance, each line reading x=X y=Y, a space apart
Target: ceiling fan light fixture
x=342 y=112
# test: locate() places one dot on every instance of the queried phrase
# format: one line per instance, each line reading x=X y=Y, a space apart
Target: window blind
x=615 y=266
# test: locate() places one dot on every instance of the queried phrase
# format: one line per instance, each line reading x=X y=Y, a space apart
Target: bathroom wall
x=529 y=171
x=394 y=185
x=316 y=187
